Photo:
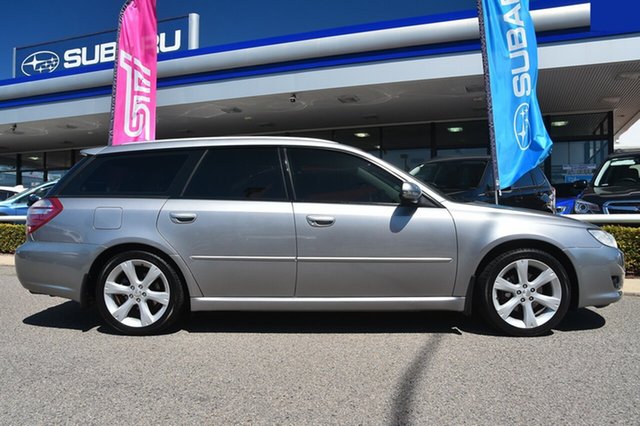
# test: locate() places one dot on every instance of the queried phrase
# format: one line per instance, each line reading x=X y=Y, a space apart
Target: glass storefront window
x=32 y=178
x=365 y=138
x=576 y=160
x=32 y=167
x=462 y=134
x=33 y=161
x=55 y=174
x=461 y=152
x=59 y=160
x=578 y=125
x=8 y=166
x=406 y=147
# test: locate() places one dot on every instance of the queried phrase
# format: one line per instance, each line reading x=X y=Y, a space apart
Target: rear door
x=234 y=226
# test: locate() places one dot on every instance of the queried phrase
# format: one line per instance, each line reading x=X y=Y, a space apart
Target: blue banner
x=521 y=140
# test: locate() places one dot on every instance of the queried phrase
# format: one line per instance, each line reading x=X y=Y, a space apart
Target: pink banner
x=134 y=88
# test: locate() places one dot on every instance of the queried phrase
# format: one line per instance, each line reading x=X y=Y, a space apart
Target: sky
x=27 y=22
x=630 y=138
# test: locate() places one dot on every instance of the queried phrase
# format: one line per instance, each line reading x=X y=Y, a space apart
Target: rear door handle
x=182 y=217
x=320 y=221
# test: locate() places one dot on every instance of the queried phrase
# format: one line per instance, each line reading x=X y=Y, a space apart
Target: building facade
x=407 y=89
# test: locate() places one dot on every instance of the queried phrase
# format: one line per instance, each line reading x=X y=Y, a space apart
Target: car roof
x=623 y=154
x=466 y=158
x=214 y=142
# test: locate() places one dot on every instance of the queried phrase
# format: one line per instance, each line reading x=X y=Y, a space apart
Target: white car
x=8 y=191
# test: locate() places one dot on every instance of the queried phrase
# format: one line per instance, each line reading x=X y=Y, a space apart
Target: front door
x=356 y=239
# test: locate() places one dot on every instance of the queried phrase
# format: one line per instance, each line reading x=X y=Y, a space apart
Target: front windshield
x=619 y=172
x=450 y=176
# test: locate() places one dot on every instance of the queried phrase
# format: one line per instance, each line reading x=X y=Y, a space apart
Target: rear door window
x=242 y=173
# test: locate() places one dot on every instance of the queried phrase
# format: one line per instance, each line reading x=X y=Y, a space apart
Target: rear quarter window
x=146 y=174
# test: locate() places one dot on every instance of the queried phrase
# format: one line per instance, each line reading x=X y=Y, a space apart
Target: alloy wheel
x=136 y=293
x=527 y=293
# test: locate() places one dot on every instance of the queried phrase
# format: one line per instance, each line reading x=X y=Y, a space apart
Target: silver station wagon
x=147 y=232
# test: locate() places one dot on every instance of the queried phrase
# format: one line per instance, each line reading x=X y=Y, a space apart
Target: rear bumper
x=56 y=269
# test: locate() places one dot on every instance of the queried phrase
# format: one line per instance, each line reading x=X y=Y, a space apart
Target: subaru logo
x=522 y=127
x=40 y=63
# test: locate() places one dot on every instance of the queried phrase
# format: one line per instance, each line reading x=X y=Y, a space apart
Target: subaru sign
x=174 y=35
x=41 y=62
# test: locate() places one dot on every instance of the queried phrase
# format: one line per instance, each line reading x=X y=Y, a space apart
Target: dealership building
x=406 y=90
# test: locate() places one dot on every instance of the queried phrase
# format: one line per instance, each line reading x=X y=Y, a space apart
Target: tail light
x=41 y=212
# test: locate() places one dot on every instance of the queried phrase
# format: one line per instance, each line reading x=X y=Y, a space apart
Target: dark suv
x=471 y=179
x=614 y=188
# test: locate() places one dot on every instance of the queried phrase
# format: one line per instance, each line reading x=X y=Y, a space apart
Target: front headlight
x=604 y=237
x=585 y=207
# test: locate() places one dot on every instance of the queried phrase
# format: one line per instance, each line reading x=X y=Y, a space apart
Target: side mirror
x=32 y=199
x=580 y=184
x=410 y=193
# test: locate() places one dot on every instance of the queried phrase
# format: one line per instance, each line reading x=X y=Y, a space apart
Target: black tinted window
x=619 y=171
x=331 y=176
x=238 y=174
x=452 y=176
x=127 y=174
x=539 y=177
x=524 y=181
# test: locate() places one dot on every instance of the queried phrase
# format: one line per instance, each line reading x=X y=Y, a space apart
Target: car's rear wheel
x=524 y=292
x=139 y=293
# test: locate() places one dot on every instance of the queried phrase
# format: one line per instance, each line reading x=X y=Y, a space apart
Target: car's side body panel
x=375 y=251
x=593 y=263
x=234 y=248
x=378 y=251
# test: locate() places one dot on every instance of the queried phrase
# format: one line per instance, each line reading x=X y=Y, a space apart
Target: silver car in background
x=148 y=231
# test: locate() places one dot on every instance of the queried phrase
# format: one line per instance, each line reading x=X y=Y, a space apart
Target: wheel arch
x=527 y=244
x=91 y=279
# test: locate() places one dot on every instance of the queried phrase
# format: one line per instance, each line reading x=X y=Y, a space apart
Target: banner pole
x=115 y=72
x=487 y=86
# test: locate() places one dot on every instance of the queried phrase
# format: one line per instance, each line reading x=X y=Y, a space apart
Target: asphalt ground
x=59 y=365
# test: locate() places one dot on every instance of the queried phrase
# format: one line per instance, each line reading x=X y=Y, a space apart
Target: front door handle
x=320 y=221
x=182 y=217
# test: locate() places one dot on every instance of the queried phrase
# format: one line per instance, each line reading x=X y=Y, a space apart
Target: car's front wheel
x=139 y=293
x=524 y=292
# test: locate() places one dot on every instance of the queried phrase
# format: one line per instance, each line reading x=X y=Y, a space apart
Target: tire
x=522 y=305
x=138 y=293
